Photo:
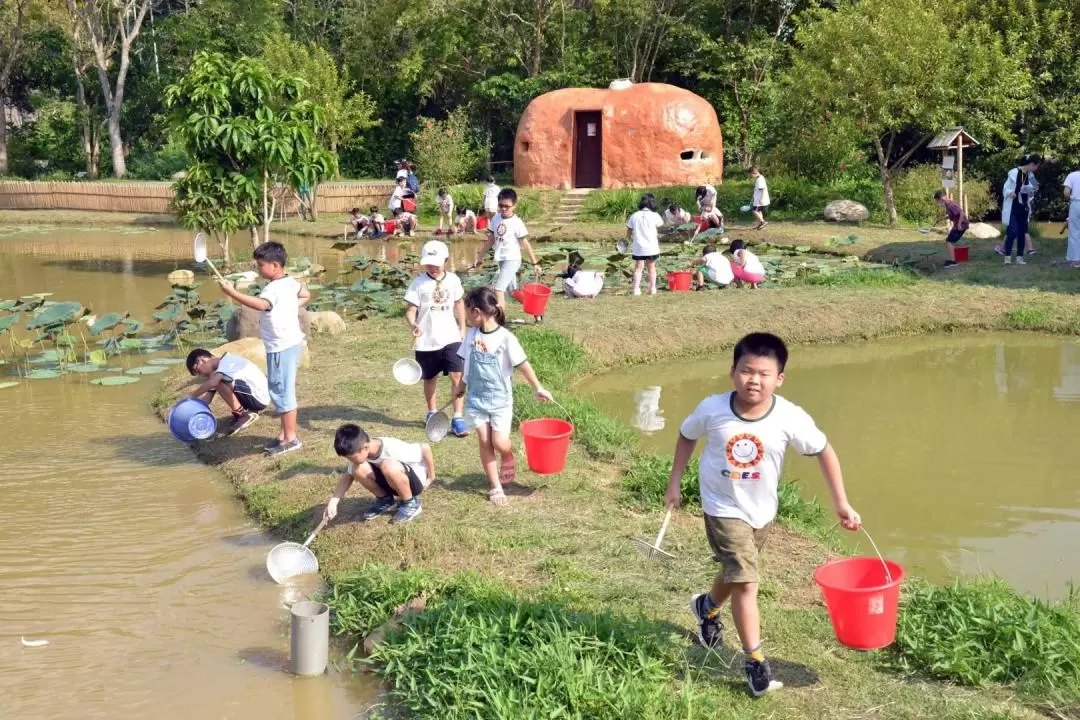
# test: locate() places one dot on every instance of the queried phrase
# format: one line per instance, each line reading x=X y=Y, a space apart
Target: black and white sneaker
x=282 y=448
x=241 y=422
x=759 y=677
x=710 y=630
x=381 y=506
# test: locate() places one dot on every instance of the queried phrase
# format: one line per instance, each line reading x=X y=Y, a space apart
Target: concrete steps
x=570 y=206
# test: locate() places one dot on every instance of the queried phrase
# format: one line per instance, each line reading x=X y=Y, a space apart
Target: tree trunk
x=266 y=206
x=3 y=136
x=254 y=237
x=116 y=141
x=312 y=212
x=886 y=181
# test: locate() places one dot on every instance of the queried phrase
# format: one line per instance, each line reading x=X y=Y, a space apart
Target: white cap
x=434 y=253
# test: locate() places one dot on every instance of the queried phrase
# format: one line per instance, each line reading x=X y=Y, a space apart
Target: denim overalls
x=490 y=391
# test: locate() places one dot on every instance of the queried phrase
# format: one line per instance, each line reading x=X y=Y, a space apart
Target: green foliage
x=984 y=632
x=880 y=277
x=447 y=151
x=1027 y=317
x=647 y=478
x=914 y=191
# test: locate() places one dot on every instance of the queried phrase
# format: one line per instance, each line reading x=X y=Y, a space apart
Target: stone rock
x=846 y=211
x=245 y=323
x=254 y=351
x=181 y=277
x=679 y=128
x=983 y=231
x=327 y=322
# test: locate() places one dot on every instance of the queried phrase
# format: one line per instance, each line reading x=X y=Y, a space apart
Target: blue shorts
x=955 y=236
x=506 y=280
x=281 y=376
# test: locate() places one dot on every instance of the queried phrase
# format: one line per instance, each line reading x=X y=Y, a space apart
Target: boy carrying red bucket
x=746 y=435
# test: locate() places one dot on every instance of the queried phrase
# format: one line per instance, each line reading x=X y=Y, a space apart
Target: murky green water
x=961 y=453
x=132 y=559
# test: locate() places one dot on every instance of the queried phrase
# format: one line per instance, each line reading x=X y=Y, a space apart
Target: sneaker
x=1008 y=260
x=1030 y=252
x=381 y=506
x=240 y=422
x=759 y=677
x=428 y=416
x=950 y=264
x=1000 y=250
x=1020 y=260
x=407 y=511
x=637 y=292
x=458 y=428
x=282 y=448
x=268 y=447
x=710 y=630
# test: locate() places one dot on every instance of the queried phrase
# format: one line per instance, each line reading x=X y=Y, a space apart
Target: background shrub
x=447 y=152
x=914 y=191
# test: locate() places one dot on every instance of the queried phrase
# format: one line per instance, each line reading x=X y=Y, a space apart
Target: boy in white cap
x=436 y=316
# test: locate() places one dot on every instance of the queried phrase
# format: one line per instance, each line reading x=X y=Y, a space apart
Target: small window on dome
x=525 y=146
x=705 y=155
x=686 y=155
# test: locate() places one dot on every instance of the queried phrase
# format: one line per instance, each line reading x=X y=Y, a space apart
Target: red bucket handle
x=832 y=558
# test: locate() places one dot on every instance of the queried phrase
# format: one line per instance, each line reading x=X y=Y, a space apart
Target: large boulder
x=326 y=322
x=983 y=231
x=255 y=352
x=245 y=323
x=846 y=211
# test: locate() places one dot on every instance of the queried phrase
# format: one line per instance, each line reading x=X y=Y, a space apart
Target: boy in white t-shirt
x=491 y=198
x=405 y=223
x=675 y=215
x=466 y=221
x=761 y=197
x=746 y=435
x=279 y=326
x=436 y=316
x=641 y=230
x=578 y=283
x=717 y=268
x=445 y=202
x=241 y=385
x=507 y=234
x=398 y=194
x=392 y=470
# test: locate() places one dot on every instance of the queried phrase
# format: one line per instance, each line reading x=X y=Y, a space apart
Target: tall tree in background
x=13 y=20
x=111 y=27
x=893 y=66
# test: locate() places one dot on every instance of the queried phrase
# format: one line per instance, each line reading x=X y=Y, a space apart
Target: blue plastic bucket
x=191 y=420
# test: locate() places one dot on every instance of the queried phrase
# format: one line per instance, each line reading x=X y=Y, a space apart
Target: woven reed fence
x=153 y=197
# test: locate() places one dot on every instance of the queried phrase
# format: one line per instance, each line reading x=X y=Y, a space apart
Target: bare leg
x=459 y=402
x=744 y=609
x=229 y=397
x=502 y=445
x=759 y=217
x=720 y=591
x=430 y=390
x=488 y=459
x=396 y=478
x=639 y=265
x=367 y=479
x=699 y=278
x=652 y=276
x=500 y=298
x=288 y=426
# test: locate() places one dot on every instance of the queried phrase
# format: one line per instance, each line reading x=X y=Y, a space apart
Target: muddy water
x=960 y=452
x=129 y=557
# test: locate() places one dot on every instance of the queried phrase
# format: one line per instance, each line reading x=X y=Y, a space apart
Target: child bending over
x=466 y=221
x=745 y=266
x=241 y=385
x=717 y=269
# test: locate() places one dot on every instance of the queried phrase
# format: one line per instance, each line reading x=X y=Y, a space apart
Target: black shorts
x=759 y=208
x=955 y=236
x=444 y=360
x=415 y=485
x=646 y=258
x=246 y=398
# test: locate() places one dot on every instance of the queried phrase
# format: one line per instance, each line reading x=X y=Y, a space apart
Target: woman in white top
x=642 y=229
x=761 y=197
x=491 y=198
x=705 y=196
x=1072 y=194
x=746 y=267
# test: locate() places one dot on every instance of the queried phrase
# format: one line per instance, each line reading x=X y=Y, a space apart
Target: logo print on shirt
x=744 y=451
x=501 y=230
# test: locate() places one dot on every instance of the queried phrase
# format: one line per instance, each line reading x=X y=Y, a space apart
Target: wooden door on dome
x=588 y=149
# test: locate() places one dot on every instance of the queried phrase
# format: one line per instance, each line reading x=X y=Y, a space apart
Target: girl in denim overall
x=491 y=353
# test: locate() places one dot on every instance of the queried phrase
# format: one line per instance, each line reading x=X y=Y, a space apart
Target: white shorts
x=501 y=421
x=491 y=207
x=506 y=280
x=710 y=274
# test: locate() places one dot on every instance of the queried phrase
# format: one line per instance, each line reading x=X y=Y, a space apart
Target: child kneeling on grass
x=746 y=435
x=491 y=353
x=392 y=470
x=241 y=385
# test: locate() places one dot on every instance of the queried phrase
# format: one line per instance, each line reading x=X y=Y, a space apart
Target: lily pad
x=7 y=321
x=43 y=374
x=84 y=368
x=57 y=313
x=165 y=361
x=97 y=357
x=106 y=322
x=9 y=384
x=114 y=380
x=146 y=370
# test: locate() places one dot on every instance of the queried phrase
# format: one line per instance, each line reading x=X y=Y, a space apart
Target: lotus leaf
x=165 y=361
x=114 y=369
x=366 y=286
x=146 y=370
x=8 y=321
x=114 y=380
x=8 y=384
x=8 y=304
x=130 y=344
x=106 y=322
x=83 y=368
x=132 y=327
x=97 y=357
x=56 y=313
x=172 y=314
x=344 y=245
x=43 y=374
x=65 y=340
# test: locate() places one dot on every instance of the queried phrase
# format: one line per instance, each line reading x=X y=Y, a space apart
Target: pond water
x=132 y=559
x=959 y=452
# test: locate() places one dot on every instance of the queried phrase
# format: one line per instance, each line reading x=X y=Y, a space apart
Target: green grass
x=983 y=631
x=882 y=278
x=1027 y=317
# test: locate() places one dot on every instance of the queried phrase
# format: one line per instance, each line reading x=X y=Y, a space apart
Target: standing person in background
x=958 y=225
x=641 y=229
x=491 y=198
x=1017 y=194
x=411 y=181
x=402 y=170
x=1072 y=193
x=398 y=194
x=761 y=197
x=445 y=202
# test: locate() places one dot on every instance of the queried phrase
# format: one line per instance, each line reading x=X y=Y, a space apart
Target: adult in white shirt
x=491 y=198
x=1072 y=193
x=642 y=229
x=714 y=267
x=761 y=197
x=578 y=283
x=705 y=196
x=402 y=170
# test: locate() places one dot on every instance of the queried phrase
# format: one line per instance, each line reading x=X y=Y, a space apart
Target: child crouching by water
x=491 y=353
x=745 y=266
x=392 y=470
x=712 y=265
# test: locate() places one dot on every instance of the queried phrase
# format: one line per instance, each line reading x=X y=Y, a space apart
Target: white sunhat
x=434 y=253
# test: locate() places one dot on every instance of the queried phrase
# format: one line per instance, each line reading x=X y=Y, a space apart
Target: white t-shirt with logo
x=500 y=342
x=280 y=325
x=491 y=197
x=761 y=192
x=585 y=282
x=407 y=453
x=643 y=226
x=743 y=459
x=236 y=368
x=750 y=262
x=508 y=232
x=435 y=300
x=719 y=268
x=1072 y=181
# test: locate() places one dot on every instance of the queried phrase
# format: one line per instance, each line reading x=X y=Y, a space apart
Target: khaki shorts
x=735 y=546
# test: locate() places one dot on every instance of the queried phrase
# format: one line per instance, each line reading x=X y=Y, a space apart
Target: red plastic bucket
x=679 y=280
x=960 y=252
x=535 y=298
x=408 y=205
x=863 y=602
x=391 y=225
x=546 y=443
x=482 y=222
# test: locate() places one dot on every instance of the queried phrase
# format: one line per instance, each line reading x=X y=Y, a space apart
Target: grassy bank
x=551 y=582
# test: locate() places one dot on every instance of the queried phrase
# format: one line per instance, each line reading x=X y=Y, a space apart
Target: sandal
x=508 y=472
x=497 y=497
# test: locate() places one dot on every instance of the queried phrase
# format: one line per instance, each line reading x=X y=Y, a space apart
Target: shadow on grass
x=351 y=414
x=477 y=484
x=154 y=451
x=727 y=662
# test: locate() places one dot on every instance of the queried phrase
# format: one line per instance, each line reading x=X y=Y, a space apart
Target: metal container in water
x=309 y=638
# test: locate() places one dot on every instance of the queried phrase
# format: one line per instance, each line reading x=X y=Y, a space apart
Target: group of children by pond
x=453 y=219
